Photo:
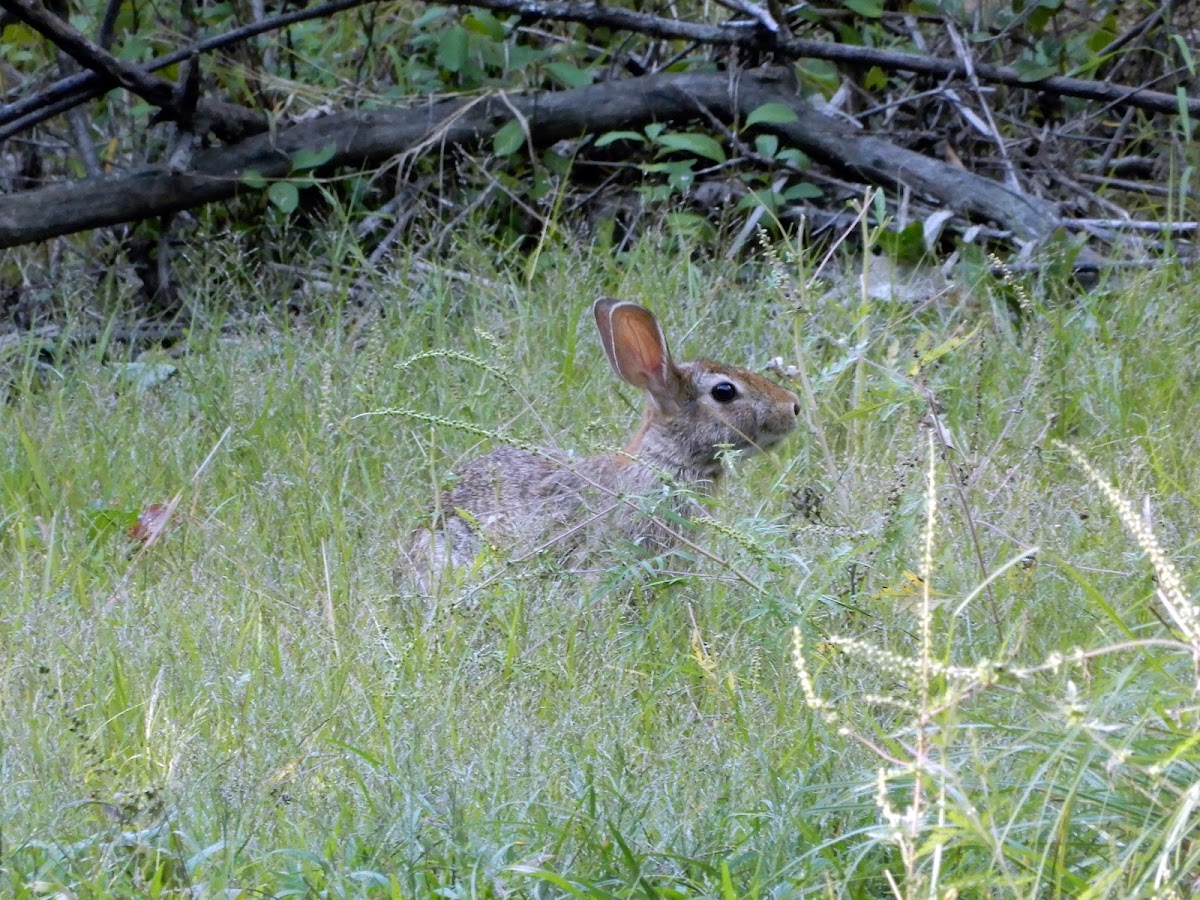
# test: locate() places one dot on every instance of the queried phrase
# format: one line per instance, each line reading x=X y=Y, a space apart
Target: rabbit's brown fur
x=522 y=499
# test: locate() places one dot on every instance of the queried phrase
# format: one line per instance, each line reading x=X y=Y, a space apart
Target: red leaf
x=151 y=522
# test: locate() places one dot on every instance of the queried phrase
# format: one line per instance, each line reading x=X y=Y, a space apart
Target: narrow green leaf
x=568 y=75
x=430 y=16
x=768 y=200
x=821 y=73
x=1186 y=52
x=551 y=877
x=771 y=114
x=1029 y=71
x=509 y=139
x=483 y=22
x=871 y=9
x=611 y=137
x=690 y=142
x=307 y=158
x=1185 y=117
x=203 y=855
x=727 y=890
x=802 y=191
x=514 y=57
x=797 y=158
x=949 y=345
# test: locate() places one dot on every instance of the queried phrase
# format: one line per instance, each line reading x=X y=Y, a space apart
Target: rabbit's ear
x=637 y=350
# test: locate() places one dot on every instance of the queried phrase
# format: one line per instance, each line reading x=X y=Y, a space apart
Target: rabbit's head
x=693 y=409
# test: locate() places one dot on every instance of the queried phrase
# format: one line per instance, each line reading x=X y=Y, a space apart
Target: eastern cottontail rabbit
x=527 y=499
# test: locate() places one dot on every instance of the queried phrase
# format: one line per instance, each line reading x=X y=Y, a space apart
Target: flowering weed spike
x=1170 y=585
x=1010 y=279
x=814 y=701
x=446 y=422
x=900 y=666
x=927 y=569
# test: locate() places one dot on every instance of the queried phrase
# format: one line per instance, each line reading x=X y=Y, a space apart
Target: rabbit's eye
x=723 y=392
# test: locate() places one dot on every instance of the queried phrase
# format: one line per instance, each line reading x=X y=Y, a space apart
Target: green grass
x=248 y=703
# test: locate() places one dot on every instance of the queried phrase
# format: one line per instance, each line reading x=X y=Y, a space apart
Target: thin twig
x=757 y=13
x=968 y=516
x=960 y=48
x=1142 y=225
x=1150 y=188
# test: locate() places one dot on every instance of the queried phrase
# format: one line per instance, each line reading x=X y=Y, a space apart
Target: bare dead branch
x=1136 y=225
x=232 y=123
x=757 y=13
x=140 y=333
x=729 y=35
x=153 y=90
x=70 y=92
x=225 y=119
x=104 y=36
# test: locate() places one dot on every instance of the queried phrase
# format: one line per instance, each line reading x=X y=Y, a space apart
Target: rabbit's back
x=521 y=501
x=513 y=495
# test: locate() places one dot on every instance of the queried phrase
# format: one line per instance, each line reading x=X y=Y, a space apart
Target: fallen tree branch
x=1135 y=225
x=144 y=332
x=369 y=137
x=70 y=92
x=756 y=37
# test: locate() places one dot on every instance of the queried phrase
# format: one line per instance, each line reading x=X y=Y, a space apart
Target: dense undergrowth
x=985 y=693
